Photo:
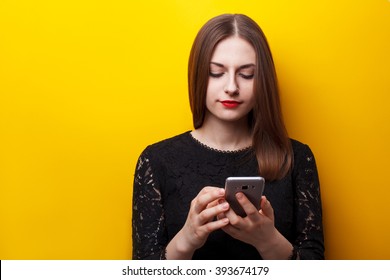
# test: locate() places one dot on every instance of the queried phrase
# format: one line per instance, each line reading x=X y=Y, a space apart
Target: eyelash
x=216 y=75
x=247 y=77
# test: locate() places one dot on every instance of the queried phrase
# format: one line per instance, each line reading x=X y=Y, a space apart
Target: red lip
x=230 y=103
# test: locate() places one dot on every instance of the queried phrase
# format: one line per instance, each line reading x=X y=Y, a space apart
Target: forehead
x=234 y=50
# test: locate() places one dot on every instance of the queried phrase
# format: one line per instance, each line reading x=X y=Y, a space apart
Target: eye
x=247 y=77
x=216 y=75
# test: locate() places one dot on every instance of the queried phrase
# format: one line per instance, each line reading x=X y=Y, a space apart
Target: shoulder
x=300 y=149
x=304 y=159
x=165 y=155
x=167 y=146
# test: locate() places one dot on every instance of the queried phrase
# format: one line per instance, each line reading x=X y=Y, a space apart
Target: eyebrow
x=245 y=66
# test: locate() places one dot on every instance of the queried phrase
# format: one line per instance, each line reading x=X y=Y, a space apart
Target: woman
x=179 y=211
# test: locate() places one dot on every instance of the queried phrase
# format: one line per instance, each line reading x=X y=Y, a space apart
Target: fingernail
x=239 y=195
x=225 y=205
x=220 y=201
x=221 y=191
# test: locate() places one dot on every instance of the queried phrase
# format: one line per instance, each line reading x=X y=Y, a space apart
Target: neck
x=226 y=136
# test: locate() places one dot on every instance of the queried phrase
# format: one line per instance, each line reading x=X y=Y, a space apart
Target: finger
x=209 y=189
x=234 y=219
x=250 y=210
x=214 y=225
x=212 y=204
x=222 y=215
x=231 y=230
x=209 y=213
x=266 y=208
x=206 y=196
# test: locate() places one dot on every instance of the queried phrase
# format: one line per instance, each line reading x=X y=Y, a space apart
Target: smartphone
x=252 y=187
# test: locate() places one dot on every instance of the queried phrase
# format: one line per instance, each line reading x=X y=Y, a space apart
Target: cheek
x=248 y=90
x=212 y=90
x=209 y=96
x=213 y=84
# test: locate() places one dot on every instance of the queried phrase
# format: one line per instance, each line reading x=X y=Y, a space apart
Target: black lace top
x=169 y=174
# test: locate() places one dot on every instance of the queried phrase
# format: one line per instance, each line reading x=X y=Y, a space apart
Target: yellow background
x=86 y=85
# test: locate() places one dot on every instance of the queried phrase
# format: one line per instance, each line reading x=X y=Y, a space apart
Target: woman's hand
x=257 y=229
x=199 y=224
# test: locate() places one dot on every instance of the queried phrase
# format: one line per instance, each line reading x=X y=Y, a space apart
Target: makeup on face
x=245 y=71
x=232 y=70
x=230 y=104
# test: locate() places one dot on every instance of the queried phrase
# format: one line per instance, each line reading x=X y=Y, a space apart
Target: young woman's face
x=230 y=95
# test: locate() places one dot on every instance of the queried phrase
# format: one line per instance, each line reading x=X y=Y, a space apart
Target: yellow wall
x=86 y=85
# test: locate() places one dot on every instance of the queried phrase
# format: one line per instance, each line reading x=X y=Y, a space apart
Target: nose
x=231 y=86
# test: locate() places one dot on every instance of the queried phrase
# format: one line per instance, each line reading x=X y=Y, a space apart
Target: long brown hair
x=270 y=140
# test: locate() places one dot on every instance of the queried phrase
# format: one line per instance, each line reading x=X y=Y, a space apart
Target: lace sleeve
x=149 y=238
x=309 y=243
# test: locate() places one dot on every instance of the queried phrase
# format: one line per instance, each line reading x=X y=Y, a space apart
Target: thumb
x=266 y=208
